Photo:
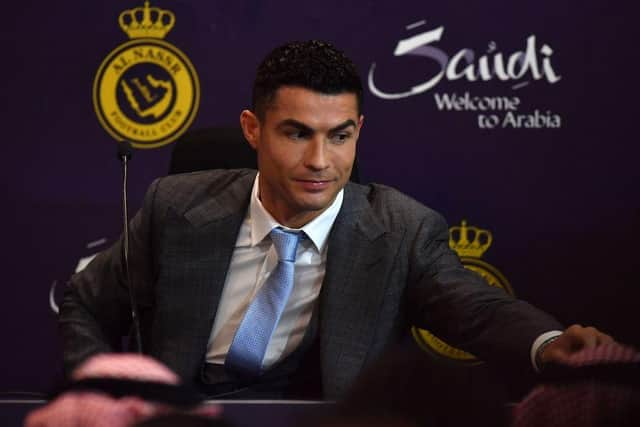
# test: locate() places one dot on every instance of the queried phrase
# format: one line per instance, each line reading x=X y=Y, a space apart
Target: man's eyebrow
x=342 y=126
x=303 y=127
x=296 y=124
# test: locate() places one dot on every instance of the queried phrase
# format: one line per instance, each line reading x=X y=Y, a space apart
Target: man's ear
x=250 y=127
x=359 y=126
x=360 y=122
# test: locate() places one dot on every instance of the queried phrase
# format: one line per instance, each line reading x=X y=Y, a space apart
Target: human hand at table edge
x=572 y=340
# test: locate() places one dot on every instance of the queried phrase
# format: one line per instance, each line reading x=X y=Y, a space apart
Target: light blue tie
x=249 y=345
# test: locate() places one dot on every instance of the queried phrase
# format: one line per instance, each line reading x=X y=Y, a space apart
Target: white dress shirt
x=254 y=257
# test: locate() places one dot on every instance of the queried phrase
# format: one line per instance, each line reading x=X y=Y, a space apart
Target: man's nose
x=316 y=155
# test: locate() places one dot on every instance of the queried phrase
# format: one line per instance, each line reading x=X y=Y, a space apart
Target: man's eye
x=340 y=138
x=297 y=135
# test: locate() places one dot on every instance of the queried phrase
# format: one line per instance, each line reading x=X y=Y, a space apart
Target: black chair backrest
x=212 y=148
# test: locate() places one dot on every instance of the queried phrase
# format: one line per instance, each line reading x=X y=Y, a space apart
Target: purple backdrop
x=560 y=197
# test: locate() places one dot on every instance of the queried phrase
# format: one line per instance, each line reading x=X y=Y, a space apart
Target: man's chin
x=314 y=202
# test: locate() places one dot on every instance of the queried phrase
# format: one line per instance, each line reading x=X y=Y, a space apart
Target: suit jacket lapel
x=198 y=246
x=352 y=292
x=213 y=238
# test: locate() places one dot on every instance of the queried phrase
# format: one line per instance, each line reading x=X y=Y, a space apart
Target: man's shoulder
x=213 y=179
x=187 y=189
x=391 y=206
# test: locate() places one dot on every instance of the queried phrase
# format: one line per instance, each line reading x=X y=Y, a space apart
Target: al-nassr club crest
x=146 y=90
x=470 y=243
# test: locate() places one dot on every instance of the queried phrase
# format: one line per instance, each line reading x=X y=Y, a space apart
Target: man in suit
x=368 y=261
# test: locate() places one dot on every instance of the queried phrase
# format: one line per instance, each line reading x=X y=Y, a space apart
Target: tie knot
x=286 y=243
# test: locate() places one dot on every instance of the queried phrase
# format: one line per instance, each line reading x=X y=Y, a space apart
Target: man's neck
x=292 y=219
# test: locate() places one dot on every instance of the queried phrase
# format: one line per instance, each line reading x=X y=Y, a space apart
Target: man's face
x=306 y=146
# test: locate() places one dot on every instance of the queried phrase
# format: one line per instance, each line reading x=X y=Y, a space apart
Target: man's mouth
x=314 y=184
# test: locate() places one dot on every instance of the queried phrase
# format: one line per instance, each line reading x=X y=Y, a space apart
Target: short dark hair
x=313 y=64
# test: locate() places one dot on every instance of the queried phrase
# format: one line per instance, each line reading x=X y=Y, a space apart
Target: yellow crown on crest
x=146 y=21
x=469 y=241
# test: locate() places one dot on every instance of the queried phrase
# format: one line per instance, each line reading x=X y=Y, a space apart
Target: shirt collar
x=317 y=229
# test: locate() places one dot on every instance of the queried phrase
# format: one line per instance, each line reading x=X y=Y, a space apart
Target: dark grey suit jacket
x=388 y=266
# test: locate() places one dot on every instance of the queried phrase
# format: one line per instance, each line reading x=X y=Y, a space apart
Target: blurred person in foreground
x=596 y=386
x=366 y=261
x=123 y=390
x=593 y=387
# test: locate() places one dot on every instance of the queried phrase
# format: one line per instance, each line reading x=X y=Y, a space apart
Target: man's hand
x=572 y=340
